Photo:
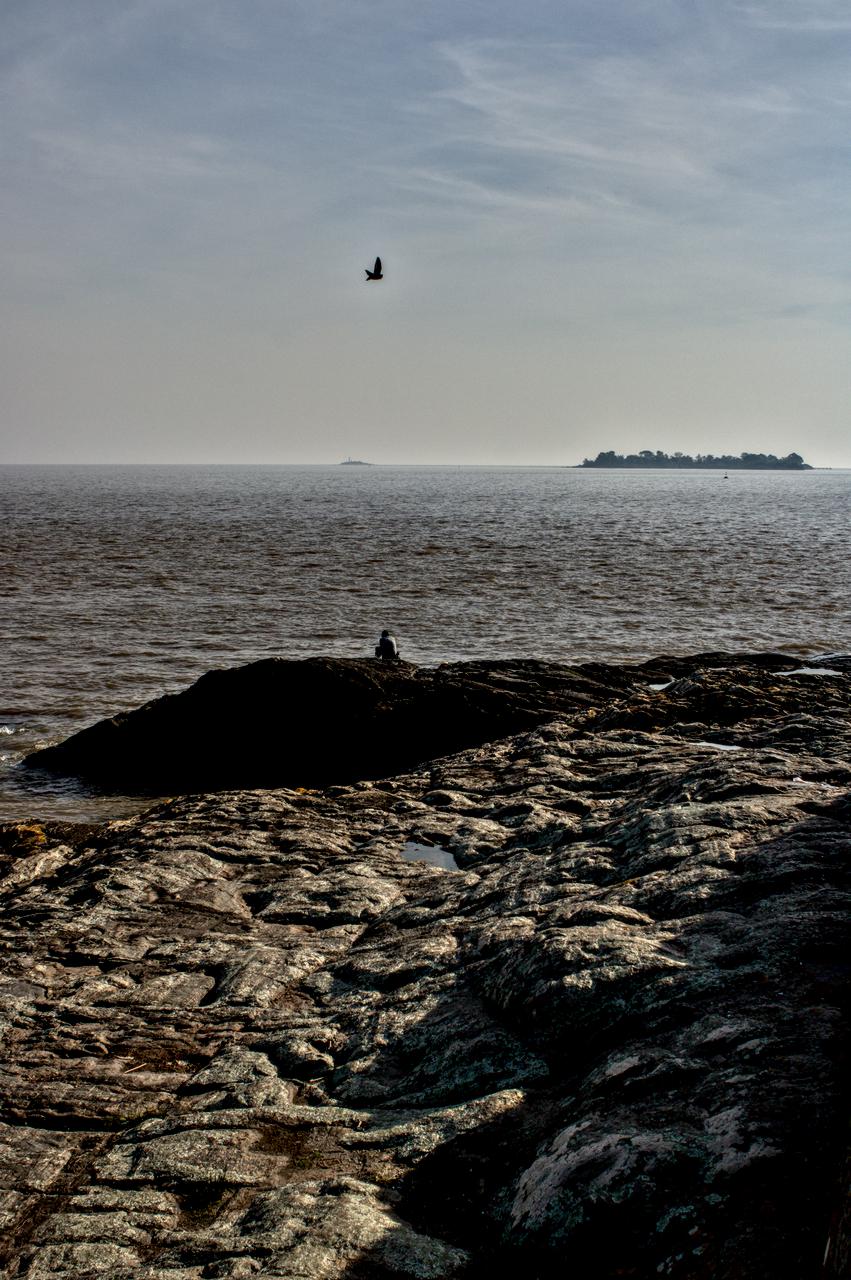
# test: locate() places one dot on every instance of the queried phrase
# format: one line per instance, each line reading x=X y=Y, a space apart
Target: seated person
x=387 y=646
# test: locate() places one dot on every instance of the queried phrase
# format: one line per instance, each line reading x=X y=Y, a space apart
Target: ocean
x=121 y=583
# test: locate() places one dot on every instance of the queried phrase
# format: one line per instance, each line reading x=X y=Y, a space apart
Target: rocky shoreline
x=245 y=1036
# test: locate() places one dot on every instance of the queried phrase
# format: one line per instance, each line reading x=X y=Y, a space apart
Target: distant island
x=701 y=462
x=354 y=462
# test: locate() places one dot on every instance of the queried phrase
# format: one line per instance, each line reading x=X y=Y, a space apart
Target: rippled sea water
x=122 y=583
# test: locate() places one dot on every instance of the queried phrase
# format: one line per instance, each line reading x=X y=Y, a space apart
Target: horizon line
x=539 y=466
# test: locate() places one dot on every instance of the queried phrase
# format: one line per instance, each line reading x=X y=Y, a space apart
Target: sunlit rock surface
x=243 y=1036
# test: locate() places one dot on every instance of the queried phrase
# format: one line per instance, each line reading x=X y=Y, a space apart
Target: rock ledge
x=243 y=1036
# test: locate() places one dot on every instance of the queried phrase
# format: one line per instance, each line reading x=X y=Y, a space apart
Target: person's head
x=384 y=633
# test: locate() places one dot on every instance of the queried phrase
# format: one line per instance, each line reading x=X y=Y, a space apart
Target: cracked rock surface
x=244 y=1036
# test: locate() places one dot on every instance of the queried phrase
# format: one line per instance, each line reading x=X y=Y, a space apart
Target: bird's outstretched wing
x=377 y=268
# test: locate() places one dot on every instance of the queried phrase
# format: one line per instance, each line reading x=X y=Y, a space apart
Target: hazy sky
x=605 y=224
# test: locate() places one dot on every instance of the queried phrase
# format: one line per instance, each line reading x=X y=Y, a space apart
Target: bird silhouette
x=375 y=273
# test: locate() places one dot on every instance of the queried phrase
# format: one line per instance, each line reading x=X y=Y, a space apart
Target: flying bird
x=375 y=273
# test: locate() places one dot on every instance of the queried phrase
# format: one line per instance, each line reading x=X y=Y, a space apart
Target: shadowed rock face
x=244 y=1037
x=281 y=723
x=321 y=720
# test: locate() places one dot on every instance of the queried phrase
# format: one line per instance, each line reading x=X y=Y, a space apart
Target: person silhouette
x=387 y=647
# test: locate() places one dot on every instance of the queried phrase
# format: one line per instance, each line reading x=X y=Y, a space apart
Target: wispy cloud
x=120 y=157
x=700 y=136
x=605 y=112
x=817 y=17
x=617 y=130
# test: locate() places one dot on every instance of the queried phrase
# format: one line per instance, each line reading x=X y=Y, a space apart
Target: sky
x=605 y=224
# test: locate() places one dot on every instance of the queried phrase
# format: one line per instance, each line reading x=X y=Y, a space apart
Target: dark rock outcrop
x=327 y=720
x=321 y=720
x=245 y=1037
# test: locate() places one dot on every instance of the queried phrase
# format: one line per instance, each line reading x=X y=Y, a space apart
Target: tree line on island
x=707 y=461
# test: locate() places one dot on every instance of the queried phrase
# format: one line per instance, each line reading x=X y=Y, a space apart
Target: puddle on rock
x=432 y=853
x=657 y=688
x=812 y=671
x=720 y=746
